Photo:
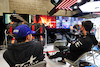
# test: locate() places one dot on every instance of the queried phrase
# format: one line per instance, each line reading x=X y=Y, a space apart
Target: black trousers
x=58 y=54
x=61 y=53
x=61 y=48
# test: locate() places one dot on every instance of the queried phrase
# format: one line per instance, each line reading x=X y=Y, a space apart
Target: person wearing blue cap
x=20 y=52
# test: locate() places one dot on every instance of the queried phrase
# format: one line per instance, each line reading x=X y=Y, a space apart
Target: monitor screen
x=48 y=21
x=74 y=20
x=63 y=22
x=7 y=18
x=66 y=22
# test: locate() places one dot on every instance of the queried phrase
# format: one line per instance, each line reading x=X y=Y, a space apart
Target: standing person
x=81 y=45
x=25 y=47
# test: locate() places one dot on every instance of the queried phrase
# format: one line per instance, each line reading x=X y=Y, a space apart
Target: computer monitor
x=48 y=21
x=63 y=22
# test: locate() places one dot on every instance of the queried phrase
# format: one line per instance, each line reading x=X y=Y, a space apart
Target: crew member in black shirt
x=81 y=45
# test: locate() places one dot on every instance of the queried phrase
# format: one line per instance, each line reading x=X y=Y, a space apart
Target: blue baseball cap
x=22 y=31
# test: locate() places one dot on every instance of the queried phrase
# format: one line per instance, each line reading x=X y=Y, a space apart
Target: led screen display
x=48 y=21
x=63 y=22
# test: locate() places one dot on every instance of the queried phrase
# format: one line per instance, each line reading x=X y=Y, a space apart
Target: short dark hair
x=88 y=25
x=21 y=39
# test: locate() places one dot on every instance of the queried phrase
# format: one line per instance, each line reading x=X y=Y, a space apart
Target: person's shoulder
x=36 y=42
x=92 y=34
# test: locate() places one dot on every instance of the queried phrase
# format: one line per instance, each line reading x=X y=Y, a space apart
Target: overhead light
x=56 y=1
x=90 y=7
x=75 y=7
x=78 y=1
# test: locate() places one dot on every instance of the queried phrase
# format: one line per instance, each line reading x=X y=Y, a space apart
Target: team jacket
x=20 y=53
x=82 y=45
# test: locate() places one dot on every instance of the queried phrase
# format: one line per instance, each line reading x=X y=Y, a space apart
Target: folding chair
x=75 y=63
x=5 y=42
x=95 y=51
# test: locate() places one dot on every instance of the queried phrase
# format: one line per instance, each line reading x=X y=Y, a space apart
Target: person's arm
x=76 y=45
x=95 y=42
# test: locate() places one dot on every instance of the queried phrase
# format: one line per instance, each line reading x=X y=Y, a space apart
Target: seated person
x=25 y=47
x=81 y=45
